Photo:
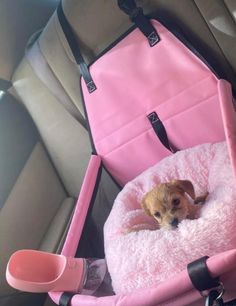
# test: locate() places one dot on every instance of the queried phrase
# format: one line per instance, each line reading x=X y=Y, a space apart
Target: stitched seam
x=69 y=106
x=151 y=129
x=125 y=125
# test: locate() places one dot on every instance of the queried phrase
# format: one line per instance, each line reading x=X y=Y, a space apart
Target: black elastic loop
x=71 y=39
x=160 y=131
x=66 y=299
x=200 y=276
x=141 y=21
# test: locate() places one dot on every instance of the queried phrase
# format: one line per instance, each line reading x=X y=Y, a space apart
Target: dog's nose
x=175 y=222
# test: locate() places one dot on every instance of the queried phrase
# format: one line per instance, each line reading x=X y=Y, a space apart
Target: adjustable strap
x=136 y=15
x=160 y=131
x=202 y=280
x=141 y=21
x=71 y=39
x=200 y=276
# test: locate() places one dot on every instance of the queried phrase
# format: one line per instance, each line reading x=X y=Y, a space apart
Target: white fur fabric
x=147 y=257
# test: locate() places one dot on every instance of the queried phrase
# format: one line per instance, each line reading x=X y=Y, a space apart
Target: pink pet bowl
x=36 y=271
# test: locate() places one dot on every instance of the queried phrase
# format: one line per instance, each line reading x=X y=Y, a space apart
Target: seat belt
x=137 y=17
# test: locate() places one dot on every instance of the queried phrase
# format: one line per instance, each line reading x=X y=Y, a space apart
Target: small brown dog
x=169 y=204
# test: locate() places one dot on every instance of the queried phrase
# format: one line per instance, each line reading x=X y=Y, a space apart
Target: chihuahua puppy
x=169 y=204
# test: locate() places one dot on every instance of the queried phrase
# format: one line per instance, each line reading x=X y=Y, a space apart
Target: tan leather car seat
x=34 y=206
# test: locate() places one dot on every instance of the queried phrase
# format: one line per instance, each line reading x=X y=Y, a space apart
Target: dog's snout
x=175 y=222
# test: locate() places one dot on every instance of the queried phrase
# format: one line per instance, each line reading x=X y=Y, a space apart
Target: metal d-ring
x=220 y=287
x=214 y=297
x=222 y=291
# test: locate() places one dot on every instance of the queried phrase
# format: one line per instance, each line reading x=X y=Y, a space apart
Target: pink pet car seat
x=148 y=96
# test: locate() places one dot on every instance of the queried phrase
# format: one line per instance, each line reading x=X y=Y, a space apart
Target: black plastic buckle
x=129 y=7
x=137 y=16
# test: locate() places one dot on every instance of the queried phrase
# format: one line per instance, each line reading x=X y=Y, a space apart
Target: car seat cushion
x=140 y=255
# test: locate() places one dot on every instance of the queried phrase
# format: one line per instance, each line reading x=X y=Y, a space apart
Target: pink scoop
x=36 y=271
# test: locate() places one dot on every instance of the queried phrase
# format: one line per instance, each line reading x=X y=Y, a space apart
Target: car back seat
x=211 y=23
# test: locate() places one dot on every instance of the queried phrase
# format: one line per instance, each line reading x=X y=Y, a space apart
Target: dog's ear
x=145 y=206
x=186 y=186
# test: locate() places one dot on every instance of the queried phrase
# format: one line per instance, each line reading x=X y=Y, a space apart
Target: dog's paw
x=140 y=227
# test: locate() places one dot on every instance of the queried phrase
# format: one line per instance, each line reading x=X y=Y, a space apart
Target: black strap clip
x=160 y=131
x=141 y=21
x=75 y=49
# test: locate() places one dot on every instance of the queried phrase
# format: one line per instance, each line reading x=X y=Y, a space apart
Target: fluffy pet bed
x=147 y=257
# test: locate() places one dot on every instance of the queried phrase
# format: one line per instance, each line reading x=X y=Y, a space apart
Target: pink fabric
x=177 y=291
x=229 y=119
x=168 y=79
x=183 y=97
x=77 y=223
x=146 y=258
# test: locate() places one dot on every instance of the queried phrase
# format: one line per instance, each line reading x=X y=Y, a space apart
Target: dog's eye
x=157 y=214
x=175 y=202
